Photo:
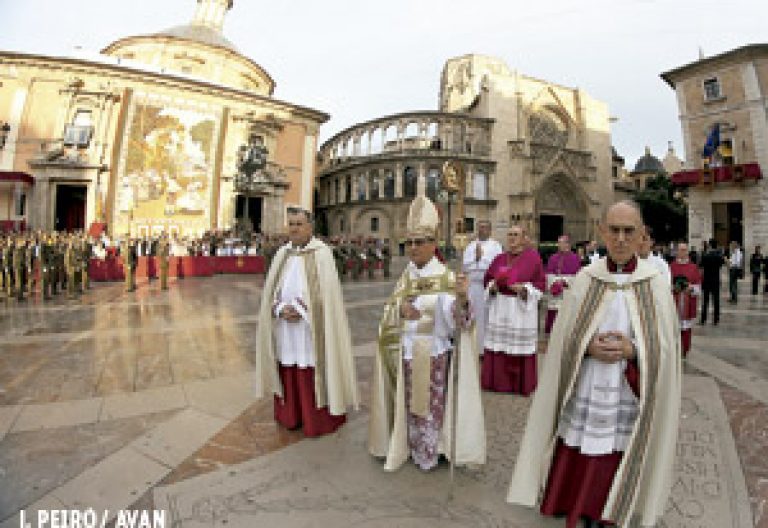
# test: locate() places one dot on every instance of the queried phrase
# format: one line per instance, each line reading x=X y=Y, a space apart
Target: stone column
x=469 y=187
x=354 y=187
x=421 y=182
x=398 y=180
x=491 y=183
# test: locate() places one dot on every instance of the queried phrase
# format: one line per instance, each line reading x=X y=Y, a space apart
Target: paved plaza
x=143 y=400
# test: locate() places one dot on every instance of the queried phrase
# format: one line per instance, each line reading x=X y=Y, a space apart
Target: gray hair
x=301 y=211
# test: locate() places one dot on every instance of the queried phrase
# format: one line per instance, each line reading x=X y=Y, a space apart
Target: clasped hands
x=610 y=347
x=518 y=290
x=290 y=313
x=410 y=313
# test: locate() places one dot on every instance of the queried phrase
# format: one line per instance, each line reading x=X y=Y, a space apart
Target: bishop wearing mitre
x=412 y=392
x=304 y=349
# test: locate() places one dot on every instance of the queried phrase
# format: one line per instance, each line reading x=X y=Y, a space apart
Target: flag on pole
x=713 y=142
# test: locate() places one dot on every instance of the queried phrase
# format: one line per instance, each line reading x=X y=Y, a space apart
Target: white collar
x=433 y=267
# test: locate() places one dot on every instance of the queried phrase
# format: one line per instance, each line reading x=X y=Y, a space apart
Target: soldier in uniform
x=47 y=268
x=60 y=276
x=373 y=256
x=128 y=255
x=19 y=266
x=8 y=267
x=2 y=266
x=386 y=258
x=33 y=257
x=71 y=264
x=163 y=254
x=86 y=249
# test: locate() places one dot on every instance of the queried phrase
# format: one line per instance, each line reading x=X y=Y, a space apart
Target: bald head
x=621 y=230
x=621 y=205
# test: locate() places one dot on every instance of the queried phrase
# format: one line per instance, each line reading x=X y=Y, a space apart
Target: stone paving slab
x=114 y=483
x=46 y=503
x=8 y=416
x=332 y=481
x=139 y=403
x=225 y=397
x=57 y=414
x=736 y=377
x=173 y=441
x=709 y=489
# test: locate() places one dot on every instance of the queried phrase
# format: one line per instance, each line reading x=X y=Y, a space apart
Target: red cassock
x=686 y=303
x=503 y=372
x=578 y=484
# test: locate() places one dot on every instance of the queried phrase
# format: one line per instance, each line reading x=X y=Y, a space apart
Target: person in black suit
x=711 y=262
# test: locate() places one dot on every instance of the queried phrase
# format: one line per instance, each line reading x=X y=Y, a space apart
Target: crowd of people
x=600 y=440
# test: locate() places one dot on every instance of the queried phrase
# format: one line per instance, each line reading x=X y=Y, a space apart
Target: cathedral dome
x=198 y=49
x=649 y=163
x=200 y=34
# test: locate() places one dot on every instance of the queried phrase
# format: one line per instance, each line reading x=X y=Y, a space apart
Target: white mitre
x=423 y=219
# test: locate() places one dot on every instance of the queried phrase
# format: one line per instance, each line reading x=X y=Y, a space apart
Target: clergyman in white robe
x=475 y=269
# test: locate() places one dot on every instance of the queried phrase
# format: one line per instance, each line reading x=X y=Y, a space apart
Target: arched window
x=374 y=224
x=433 y=183
x=362 y=183
x=410 y=179
x=389 y=184
x=480 y=186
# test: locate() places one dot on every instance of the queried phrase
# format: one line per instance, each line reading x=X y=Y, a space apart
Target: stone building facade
x=147 y=135
x=537 y=154
x=370 y=173
x=727 y=195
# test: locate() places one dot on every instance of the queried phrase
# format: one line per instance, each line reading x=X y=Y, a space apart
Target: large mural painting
x=166 y=176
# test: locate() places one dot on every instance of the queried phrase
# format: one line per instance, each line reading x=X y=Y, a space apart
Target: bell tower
x=210 y=13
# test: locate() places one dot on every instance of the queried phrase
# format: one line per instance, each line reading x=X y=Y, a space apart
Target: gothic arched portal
x=561 y=208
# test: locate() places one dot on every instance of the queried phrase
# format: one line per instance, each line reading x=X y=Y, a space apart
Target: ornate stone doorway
x=561 y=208
x=249 y=210
x=70 y=207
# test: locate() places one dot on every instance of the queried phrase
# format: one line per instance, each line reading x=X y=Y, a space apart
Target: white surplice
x=600 y=416
x=475 y=270
x=293 y=339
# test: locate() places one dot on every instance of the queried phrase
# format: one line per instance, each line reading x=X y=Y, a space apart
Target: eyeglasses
x=418 y=242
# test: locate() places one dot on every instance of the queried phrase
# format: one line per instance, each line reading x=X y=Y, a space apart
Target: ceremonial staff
x=454 y=182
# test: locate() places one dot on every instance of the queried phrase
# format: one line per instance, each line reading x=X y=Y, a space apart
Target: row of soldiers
x=54 y=262
x=355 y=256
x=129 y=255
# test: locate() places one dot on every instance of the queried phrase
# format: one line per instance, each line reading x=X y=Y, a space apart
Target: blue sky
x=361 y=59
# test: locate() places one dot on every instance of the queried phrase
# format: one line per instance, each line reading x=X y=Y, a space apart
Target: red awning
x=10 y=176
x=728 y=173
